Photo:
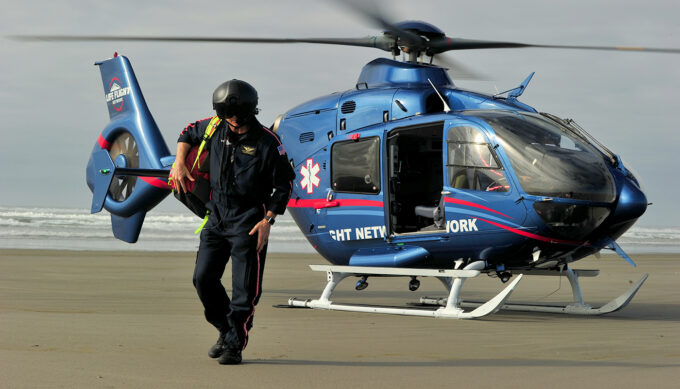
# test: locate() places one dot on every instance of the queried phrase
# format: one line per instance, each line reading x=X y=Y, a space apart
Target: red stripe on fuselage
x=103 y=143
x=157 y=182
x=532 y=236
x=471 y=204
x=321 y=203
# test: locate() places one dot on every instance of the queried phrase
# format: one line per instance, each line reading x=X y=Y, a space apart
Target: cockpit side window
x=472 y=163
x=355 y=166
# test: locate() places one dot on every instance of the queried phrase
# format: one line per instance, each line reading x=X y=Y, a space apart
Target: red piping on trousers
x=257 y=294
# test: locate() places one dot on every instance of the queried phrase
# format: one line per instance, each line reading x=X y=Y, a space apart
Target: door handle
x=325 y=204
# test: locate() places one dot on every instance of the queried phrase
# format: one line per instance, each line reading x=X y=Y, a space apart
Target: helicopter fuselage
x=387 y=175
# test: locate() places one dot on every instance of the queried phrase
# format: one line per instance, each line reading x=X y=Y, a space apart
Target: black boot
x=230 y=356
x=219 y=347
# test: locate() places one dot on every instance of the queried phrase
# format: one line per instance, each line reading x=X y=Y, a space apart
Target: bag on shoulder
x=198 y=191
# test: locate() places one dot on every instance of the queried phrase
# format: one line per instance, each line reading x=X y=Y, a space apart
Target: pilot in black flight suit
x=251 y=182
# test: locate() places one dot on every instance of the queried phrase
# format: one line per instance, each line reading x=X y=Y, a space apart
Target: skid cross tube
x=452 y=279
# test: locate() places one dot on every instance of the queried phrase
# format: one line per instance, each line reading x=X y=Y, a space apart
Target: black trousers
x=231 y=316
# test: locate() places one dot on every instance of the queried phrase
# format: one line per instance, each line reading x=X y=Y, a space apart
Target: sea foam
x=77 y=229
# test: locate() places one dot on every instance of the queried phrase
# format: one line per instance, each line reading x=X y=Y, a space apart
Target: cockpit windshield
x=549 y=159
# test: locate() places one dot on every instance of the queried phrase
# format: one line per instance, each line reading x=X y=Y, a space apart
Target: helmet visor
x=225 y=111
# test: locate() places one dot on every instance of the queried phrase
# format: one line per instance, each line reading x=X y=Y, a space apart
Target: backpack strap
x=205 y=220
x=209 y=131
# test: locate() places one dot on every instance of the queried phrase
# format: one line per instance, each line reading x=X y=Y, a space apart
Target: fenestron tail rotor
x=124 y=154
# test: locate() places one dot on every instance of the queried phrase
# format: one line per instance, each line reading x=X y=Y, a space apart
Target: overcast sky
x=52 y=105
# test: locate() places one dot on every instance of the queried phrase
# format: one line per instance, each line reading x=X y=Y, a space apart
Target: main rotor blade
x=458 y=70
x=371 y=41
x=434 y=46
x=447 y=44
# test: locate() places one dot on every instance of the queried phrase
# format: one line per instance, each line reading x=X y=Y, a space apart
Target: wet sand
x=133 y=320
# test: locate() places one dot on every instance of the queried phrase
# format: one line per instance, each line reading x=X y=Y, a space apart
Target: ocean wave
x=60 y=228
x=665 y=233
x=56 y=227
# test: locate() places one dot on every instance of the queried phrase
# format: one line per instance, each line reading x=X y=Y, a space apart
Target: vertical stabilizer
x=127 y=228
x=121 y=90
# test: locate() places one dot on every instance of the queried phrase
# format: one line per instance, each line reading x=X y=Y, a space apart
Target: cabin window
x=472 y=164
x=356 y=166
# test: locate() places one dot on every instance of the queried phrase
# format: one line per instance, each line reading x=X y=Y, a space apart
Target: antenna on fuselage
x=446 y=106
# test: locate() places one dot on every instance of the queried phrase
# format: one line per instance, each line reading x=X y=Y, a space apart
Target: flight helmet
x=235 y=98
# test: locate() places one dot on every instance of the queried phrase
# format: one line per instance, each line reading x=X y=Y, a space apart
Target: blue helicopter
x=407 y=175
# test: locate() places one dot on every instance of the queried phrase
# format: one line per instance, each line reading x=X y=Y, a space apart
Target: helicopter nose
x=632 y=203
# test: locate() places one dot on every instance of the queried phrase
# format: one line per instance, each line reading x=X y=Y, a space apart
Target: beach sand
x=133 y=320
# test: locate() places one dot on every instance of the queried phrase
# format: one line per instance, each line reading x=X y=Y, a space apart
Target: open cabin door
x=414 y=180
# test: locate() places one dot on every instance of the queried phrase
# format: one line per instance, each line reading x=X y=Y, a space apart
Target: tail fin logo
x=117 y=93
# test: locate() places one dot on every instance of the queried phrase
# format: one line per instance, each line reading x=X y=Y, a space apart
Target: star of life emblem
x=309 y=176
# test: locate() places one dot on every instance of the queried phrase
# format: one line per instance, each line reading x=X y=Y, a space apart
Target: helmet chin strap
x=235 y=127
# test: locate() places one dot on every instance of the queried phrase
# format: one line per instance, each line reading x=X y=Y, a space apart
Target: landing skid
x=452 y=279
x=577 y=307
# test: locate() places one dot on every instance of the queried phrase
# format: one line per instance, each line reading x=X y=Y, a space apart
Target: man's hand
x=262 y=229
x=178 y=173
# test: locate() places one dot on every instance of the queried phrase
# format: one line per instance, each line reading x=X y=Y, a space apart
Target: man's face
x=232 y=121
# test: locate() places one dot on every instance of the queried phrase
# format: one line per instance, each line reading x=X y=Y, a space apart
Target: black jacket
x=249 y=174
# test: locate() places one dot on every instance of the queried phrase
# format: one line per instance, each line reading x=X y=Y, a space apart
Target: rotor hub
x=120 y=161
x=420 y=28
